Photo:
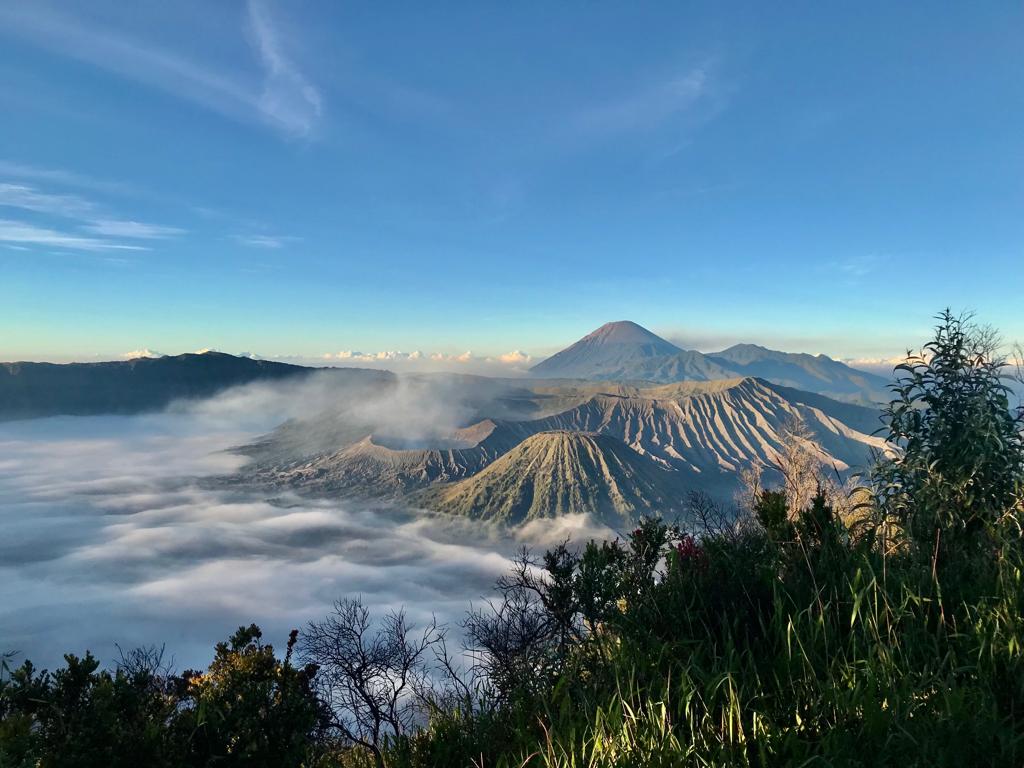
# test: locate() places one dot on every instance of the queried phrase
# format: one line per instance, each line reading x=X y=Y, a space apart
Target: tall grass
x=825 y=656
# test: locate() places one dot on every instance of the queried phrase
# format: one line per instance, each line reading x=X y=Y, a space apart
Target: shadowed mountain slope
x=814 y=373
x=129 y=386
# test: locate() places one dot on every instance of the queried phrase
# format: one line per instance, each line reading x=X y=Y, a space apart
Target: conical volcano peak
x=628 y=332
x=625 y=351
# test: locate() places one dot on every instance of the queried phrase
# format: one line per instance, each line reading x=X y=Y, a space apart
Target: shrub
x=960 y=470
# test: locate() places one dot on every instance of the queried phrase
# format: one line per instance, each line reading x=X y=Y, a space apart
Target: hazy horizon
x=508 y=364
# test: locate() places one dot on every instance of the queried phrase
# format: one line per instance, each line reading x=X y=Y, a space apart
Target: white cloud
x=264 y=241
x=27 y=198
x=61 y=177
x=20 y=232
x=287 y=98
x=515 y=357
x=350 y=355
x=133 y=229
x=516 y=362
x=278 y=96
x=144 y=352
x=879 y=365
x=442 y=357
x=93 y=220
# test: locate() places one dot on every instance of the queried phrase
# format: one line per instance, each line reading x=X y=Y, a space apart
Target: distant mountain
x=815 y=373
x=128 y=386
x=563 y=473
x=625 y=351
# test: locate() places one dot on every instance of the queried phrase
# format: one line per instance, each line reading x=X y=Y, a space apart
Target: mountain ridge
x=33 y=390
x=562 y=472
x=625 y=351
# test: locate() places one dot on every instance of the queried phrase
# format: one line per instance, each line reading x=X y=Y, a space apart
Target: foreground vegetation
x=798 y=633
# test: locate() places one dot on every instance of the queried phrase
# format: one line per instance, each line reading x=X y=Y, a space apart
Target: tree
x=550 y=607
x=960 y=465
x=249 y=708
x=81 y=716
x=369 y=679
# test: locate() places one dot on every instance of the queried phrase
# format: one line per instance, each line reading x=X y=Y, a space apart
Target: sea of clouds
x=112 y=535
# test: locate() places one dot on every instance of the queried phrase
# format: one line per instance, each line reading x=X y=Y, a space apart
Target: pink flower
x=690 y=553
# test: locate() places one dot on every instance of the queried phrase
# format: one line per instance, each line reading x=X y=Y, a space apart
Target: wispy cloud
x=62 y=177
x=279 y=95
x=646 y=108
x=287 y=97
x=133 y=229
x=90 y=217
x=29 y=234
x=29 y=199
x=852 y=270
x=265 y=241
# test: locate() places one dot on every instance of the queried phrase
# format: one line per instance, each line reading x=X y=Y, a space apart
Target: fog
x=109 y=534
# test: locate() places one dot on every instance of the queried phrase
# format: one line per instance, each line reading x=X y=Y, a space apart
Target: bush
x=960 y=470
x=247 y=709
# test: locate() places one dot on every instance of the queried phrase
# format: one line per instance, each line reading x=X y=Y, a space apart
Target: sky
x=333 y=181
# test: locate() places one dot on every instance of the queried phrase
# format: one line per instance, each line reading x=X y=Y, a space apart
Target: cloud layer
x=108 y=534
x=514 y=362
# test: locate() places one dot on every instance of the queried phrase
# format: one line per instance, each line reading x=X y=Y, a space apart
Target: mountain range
x=625 y=351
x=619 y=424
x=616 y=451
x=616 y=352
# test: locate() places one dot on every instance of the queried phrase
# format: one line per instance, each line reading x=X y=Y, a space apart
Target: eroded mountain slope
x=563 y=472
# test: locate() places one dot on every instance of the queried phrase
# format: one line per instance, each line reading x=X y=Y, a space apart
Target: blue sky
x=301 y=178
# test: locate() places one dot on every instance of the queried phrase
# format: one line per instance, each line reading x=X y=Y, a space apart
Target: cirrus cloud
x=19 y=232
